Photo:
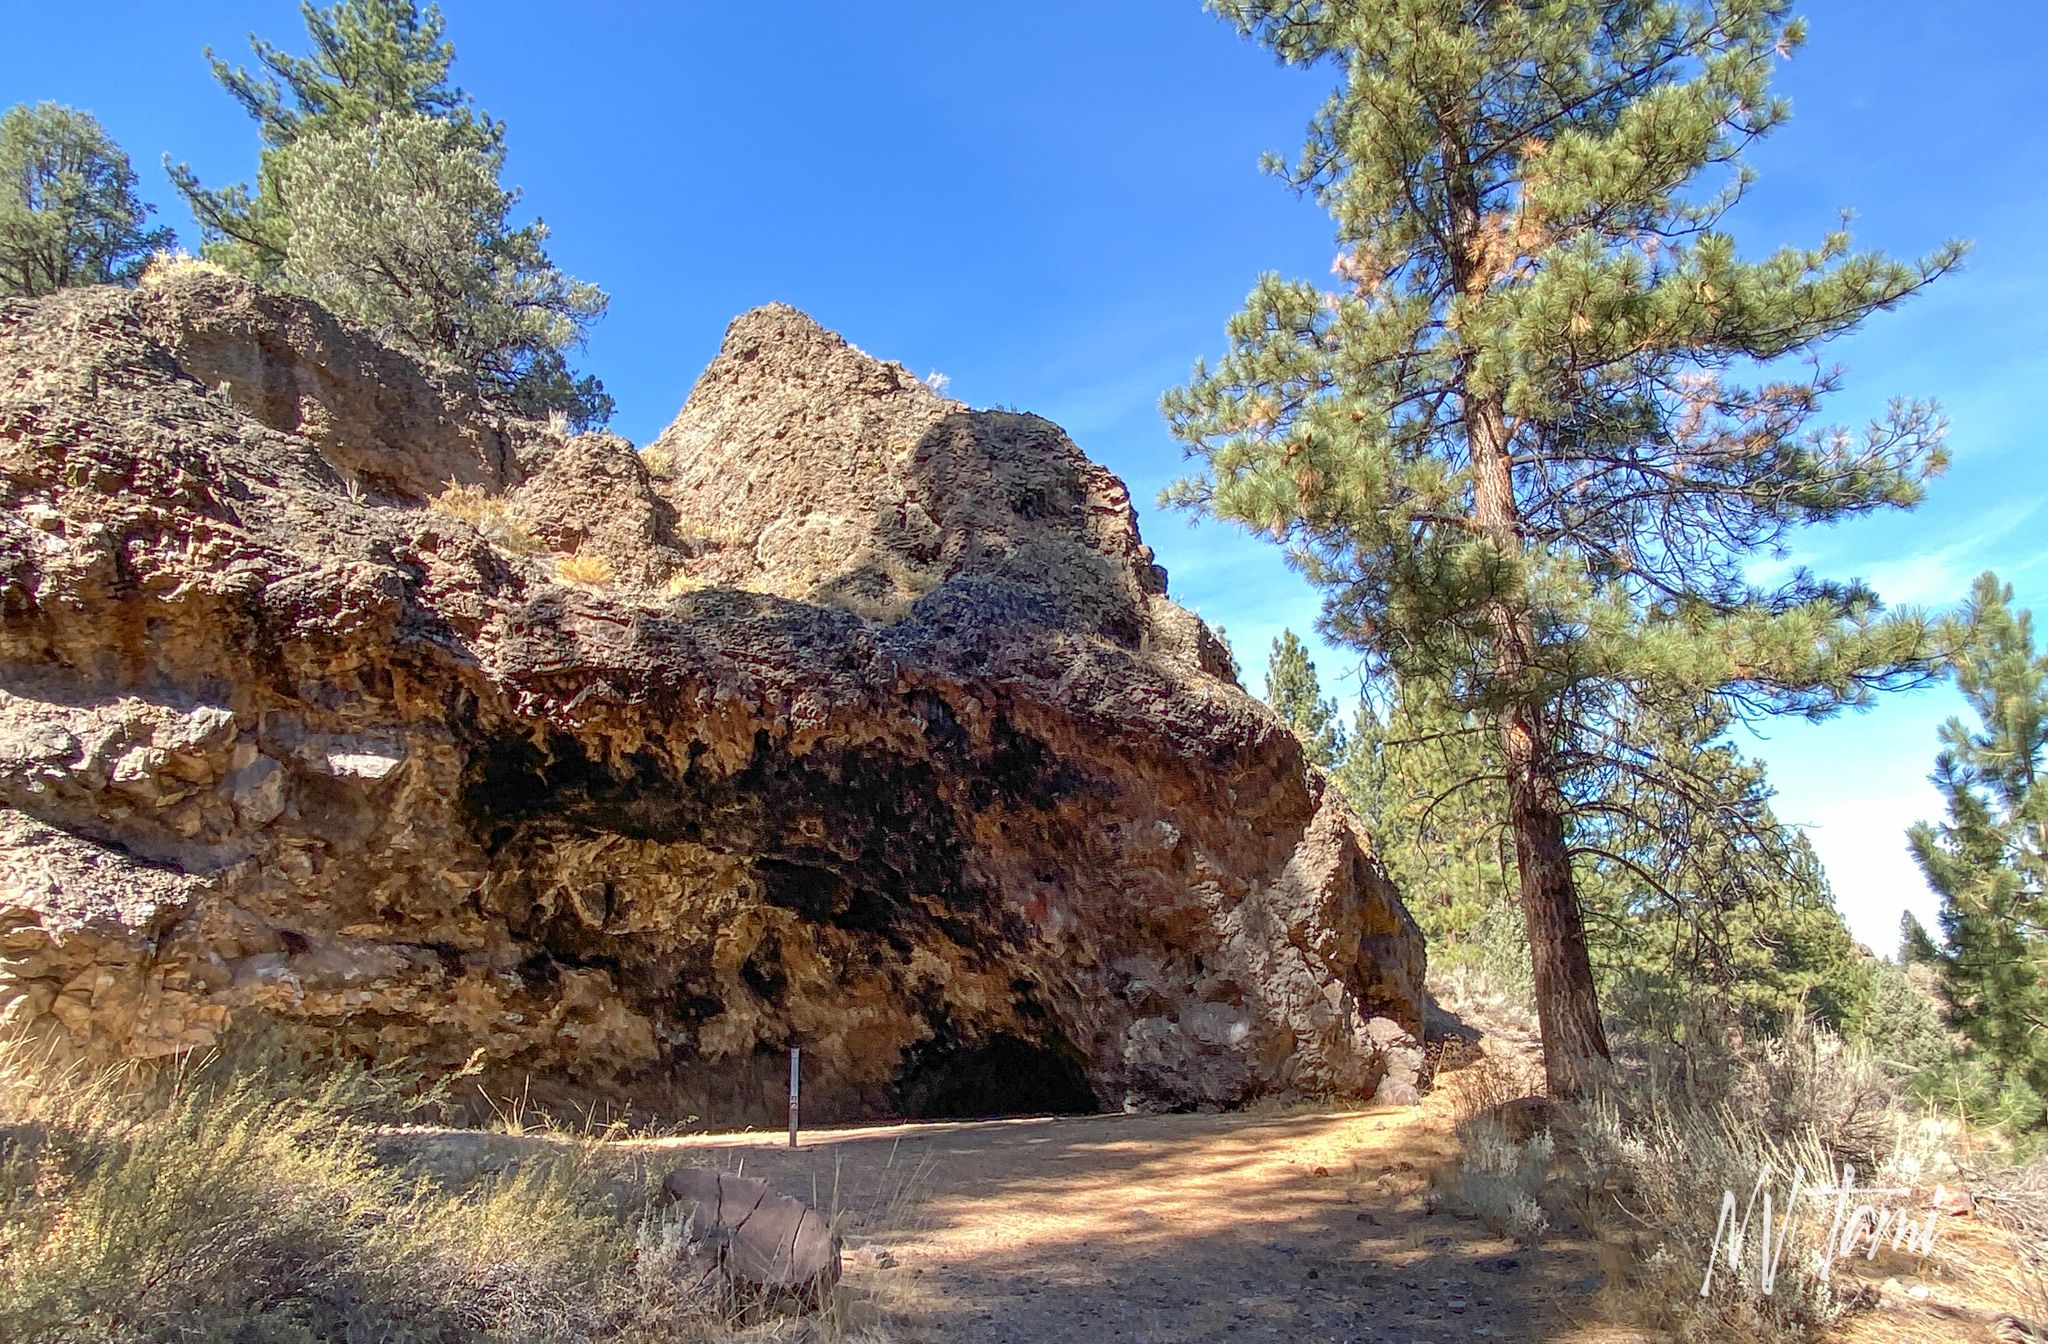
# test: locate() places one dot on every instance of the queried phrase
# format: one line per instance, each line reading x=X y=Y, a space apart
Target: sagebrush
x=1683 y=1122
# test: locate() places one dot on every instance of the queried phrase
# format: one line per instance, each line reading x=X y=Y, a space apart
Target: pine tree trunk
x=1567 y=1003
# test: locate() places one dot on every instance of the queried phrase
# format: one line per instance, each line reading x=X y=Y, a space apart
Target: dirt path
x=1171 y=1228
x=1307 y=1227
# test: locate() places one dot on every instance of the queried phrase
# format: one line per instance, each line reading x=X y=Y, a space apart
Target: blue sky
x=1056 y=204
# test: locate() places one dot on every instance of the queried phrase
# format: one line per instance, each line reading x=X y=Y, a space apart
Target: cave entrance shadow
x=1001 y=1076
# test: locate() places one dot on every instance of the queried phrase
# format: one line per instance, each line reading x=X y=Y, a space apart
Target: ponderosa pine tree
x=369 y=58
x=1789 y=955
x=1691 y=883
x=401 y=225
x=1410 y=781
x=378 y=195
x=1530 y=439
x=1989 y=860
x=1901 y=1024
x=1295 y=693
x=1707 y=891
x=1916 y=945
x=69 y=214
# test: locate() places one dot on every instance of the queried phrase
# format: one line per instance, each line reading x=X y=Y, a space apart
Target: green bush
x=1901 y=1024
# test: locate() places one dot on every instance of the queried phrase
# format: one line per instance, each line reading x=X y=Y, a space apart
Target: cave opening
x=999 y=1076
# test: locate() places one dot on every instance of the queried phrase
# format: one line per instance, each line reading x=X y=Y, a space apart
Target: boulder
x=863 y=723
x=757 y=1238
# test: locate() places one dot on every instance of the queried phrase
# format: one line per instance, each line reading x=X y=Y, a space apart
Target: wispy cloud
x=1943 y=574
x=1932 y=576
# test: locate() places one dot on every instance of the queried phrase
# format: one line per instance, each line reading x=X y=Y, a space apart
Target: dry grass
x=1506 y=1157
x=1488 y=1083
x=660 y=462
x=166 y=264
x=1503 y=1180
x=221 y=1201
x=2016 y=1198
x=1702 y=1110
x=488 y=514
x=723 y=537
x=584 y=571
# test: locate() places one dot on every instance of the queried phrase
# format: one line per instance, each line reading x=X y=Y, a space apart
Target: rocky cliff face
x=862 y=723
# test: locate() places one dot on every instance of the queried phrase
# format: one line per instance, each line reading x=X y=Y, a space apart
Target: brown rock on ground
x=763 y=1239
x=883 y=738
x=1523 y=1118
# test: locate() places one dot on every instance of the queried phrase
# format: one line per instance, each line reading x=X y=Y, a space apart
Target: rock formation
x=863 y=722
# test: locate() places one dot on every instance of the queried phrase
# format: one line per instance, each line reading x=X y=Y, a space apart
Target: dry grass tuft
x=471 y=503
x=1489 y=1082
x=488 y=514
x=2016 y=1198
x=1507 y=1152
x=1695 y=1109
x=584 y=571
x=1682 y=1122
x=721 y=537
x=660 y=462
x=1503 y=1180
x=166 y=264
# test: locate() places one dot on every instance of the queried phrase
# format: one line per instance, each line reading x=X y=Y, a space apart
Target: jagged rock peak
x=800 y=464
x=786 y=344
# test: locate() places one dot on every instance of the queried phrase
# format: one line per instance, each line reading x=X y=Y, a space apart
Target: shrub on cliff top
x=377 y=193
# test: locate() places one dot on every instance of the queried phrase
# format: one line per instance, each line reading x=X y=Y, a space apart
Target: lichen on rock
x=865 y=724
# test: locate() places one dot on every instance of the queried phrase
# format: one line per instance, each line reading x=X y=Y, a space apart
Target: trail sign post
x=794 y=1055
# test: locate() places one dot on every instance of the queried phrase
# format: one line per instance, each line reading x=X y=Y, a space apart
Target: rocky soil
x=331 y=701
